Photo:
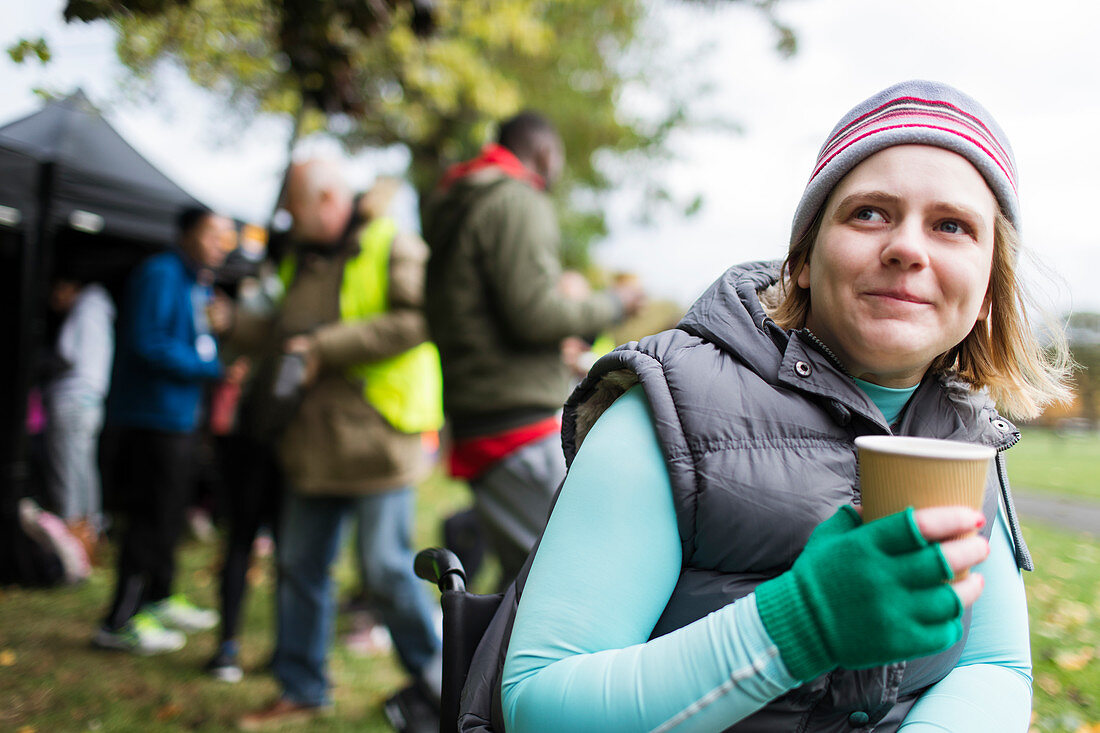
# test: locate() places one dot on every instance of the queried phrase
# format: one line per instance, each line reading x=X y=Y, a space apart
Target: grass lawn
x=1064 y=609
x=52 y=680
x=1062 y=463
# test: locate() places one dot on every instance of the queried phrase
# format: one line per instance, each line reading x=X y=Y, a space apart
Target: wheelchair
x=465 y=618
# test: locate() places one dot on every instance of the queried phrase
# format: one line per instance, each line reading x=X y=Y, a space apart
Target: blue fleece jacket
x=164 y=350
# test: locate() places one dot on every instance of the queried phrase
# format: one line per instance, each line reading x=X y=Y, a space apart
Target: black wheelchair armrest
x=440 y=566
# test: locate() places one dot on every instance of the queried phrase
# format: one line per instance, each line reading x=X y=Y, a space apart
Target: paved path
x=1056 y=510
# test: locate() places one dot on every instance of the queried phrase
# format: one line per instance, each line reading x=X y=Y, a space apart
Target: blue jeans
x=309 y=539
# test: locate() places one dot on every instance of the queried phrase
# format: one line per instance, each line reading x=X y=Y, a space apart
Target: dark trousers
x=253 y=492
x=155 y=472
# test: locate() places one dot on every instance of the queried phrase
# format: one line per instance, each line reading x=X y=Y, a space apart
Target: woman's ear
x=987 y=305
x=803 y=278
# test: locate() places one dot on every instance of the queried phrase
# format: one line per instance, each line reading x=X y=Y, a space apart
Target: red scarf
x=471 y=457
x=493 y=156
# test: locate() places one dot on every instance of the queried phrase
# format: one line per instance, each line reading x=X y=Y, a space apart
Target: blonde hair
x=1001 y=354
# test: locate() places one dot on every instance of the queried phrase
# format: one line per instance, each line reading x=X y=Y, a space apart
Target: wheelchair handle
x=440 y=566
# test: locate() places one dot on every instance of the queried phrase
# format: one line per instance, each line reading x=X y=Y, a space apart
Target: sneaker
x=368 y=637
x=279 y=713
x=176 y=612
x=53 y=536
x=143 y=634
x=225 y=667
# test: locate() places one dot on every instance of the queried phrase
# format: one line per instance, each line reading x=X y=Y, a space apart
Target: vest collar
x=806 y=368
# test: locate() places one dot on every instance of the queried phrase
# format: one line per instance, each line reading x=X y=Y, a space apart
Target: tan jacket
x=337 y=443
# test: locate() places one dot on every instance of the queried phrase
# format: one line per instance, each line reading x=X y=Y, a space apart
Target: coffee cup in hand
x=896 y=472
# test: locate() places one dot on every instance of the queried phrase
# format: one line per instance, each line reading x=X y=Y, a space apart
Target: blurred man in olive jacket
x=499 y=308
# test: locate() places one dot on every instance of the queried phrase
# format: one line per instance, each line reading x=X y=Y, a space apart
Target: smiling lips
x=898 y=295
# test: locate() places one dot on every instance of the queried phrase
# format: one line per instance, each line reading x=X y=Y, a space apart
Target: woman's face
x=899 y=272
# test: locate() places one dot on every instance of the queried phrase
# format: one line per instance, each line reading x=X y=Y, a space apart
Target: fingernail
x=980 y=523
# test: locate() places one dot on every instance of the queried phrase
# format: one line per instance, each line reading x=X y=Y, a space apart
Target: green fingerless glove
x=861 y=595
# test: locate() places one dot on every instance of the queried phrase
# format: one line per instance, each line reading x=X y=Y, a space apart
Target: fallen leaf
x=7 y=658
x=1069 y=614
x=1048 y=684
x=1089 y=728
x=201 y=578
x=1041 y=592
x=1074 y=661
x=255 y=576
x=26 y=729
x=169 y=711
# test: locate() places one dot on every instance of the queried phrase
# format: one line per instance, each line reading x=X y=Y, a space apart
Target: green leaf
x=25 y=48
x=438 y=95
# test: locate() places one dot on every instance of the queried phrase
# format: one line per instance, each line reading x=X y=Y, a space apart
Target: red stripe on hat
x=916 y=113
x=843 y=141
x=930 y=102
x=992 y=157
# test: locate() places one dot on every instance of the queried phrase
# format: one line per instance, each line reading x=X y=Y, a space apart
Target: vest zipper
x=820 y=346
x=1006 y=446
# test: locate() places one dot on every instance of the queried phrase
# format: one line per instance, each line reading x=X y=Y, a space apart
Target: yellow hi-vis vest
x=407 y=389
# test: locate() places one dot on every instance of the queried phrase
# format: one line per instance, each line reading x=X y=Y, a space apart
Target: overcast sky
x=1034 y=65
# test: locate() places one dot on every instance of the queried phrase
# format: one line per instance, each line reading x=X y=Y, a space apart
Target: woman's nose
x=906 y=245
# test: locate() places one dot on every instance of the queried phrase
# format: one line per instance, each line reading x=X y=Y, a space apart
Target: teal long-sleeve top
x=580 y=658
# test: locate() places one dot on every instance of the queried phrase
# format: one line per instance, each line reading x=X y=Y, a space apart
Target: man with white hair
x=369 y=387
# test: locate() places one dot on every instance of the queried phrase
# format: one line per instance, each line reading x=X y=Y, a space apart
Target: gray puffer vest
x=757 y=427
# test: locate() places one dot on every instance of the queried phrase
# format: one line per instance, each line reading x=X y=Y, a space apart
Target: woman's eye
x=868 y=214
x=952 y=227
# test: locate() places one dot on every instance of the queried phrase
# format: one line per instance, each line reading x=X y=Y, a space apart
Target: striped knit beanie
x=912 y=112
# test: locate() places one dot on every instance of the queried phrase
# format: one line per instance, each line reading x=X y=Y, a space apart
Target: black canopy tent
x=72 y=190
x=93 y=197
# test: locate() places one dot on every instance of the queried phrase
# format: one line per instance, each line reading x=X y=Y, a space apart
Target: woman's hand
x=305 y=346
x=940 y=524
x=867 y=594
